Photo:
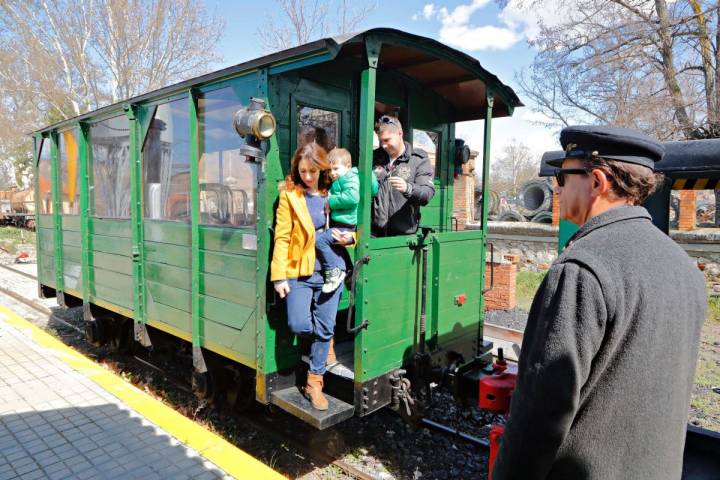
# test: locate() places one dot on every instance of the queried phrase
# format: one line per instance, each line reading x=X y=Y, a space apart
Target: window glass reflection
x=166 y=163
x=110 y=157
x=45 y=177
x=428 y=141
x=317 y=125
x=228 y=179
x=68 y=158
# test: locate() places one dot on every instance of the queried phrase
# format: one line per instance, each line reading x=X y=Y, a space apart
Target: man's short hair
x=629 y=181
x=388 y=123
x=341 y=156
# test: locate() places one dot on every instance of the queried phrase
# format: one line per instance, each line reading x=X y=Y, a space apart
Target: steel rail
x=503 y=333
x=14 y=270
x=455 y=432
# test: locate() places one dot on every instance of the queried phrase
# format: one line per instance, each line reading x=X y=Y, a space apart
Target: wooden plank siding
x=46 y=255
x=110 y=263
x=227 y=283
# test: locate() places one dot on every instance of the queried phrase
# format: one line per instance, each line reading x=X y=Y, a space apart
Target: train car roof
x=690 y=158
x=682 y=159
x=454 y=75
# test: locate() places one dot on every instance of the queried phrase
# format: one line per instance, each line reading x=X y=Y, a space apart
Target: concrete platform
x=63 y=416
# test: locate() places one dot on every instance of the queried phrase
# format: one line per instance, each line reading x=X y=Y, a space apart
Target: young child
x=343 y=199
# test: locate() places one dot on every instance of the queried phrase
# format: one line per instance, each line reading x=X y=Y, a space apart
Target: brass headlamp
x=254 y=123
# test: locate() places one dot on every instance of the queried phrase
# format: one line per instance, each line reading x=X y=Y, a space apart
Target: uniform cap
x=620 y=144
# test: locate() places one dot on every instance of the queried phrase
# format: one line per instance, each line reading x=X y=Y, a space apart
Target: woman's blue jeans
x=312 y=313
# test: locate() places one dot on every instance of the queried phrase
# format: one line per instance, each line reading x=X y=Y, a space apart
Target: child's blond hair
x=341 y=156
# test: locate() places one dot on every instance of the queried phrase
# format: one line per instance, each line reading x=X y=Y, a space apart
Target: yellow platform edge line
x=209 y=445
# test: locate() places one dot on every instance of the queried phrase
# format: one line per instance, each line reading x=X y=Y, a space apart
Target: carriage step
x=293 y=402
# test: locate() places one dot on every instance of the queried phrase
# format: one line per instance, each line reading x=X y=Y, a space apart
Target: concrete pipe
x=536 y=197
x=511 y=216
x=542 y=217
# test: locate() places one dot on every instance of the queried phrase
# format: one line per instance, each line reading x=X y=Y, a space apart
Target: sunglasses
x=388 y=119
x=561 y=172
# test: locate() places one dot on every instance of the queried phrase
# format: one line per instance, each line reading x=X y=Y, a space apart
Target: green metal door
x=319 y=112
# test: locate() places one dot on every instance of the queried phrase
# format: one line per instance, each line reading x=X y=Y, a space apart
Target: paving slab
x=59 y=408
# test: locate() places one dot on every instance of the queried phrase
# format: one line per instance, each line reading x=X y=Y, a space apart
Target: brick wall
x=502 y=296
x=464 y=195
x=686 y=221
x=555 y=208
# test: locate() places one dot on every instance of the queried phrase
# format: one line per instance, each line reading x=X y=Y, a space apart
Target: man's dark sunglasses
x=388 y=119
x=561 y=172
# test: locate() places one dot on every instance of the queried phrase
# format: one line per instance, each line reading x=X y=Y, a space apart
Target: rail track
x=297 y=441
x=19 y=272
x=701 y=453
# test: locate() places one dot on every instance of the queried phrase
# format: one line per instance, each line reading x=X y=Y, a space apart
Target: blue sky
x=496 y=37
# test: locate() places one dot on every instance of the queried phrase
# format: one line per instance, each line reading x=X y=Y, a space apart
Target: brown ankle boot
x=313 y=391
x=331 y=358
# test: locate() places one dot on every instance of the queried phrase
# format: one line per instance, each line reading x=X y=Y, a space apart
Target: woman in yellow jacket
x=295 y=270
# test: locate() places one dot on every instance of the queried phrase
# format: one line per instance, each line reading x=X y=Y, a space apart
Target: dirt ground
x=705 y=400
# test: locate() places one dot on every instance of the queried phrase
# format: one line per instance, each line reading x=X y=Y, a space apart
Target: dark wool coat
x=608 y=358
x=396 y=213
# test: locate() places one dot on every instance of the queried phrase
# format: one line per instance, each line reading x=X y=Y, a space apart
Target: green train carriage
x=156 y=216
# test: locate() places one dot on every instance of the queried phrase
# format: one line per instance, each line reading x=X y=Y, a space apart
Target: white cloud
x=519 y=20
x=479 y=38
x=521 y=17
x=427 y=13
x=457 y=30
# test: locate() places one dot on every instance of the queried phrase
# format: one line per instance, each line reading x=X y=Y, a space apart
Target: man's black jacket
x=396 y=213
x=608 y=359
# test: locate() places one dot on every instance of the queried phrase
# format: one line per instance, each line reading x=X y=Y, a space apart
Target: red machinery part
x=495 y=392
x=495 y=435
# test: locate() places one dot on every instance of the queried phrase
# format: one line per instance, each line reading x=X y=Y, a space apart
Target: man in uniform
x=405 y=178
x=609 y=353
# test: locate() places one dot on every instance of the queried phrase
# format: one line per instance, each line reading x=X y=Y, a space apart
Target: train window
x=317 y=125
x=430 y=142
x=166 y=163
x=45 y=178
x=228 y=180
x=68 y=158
x=110 y=184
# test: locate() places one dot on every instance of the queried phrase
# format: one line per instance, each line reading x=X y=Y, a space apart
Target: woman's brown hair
x=317 y=156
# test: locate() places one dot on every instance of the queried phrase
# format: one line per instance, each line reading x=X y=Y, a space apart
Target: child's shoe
x=333 y=279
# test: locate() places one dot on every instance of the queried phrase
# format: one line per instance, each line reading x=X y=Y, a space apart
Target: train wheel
x=96 y=332
x=202 y=385
x=122 y=338
x=239 y=388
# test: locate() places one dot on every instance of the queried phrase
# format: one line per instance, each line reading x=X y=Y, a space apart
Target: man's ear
x=601 y=182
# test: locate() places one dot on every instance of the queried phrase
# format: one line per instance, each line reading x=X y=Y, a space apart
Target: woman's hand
x=342 y=238
x=282 y=288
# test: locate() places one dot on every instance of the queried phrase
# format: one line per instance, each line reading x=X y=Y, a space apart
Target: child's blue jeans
x=329 y=253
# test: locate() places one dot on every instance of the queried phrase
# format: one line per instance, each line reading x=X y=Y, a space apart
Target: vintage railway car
x=17 y=208
x=156 y=216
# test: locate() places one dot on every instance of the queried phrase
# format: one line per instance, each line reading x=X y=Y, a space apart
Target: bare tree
x=516 y=166
x=62 y=58
x=301 y=21
x=647 y=64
